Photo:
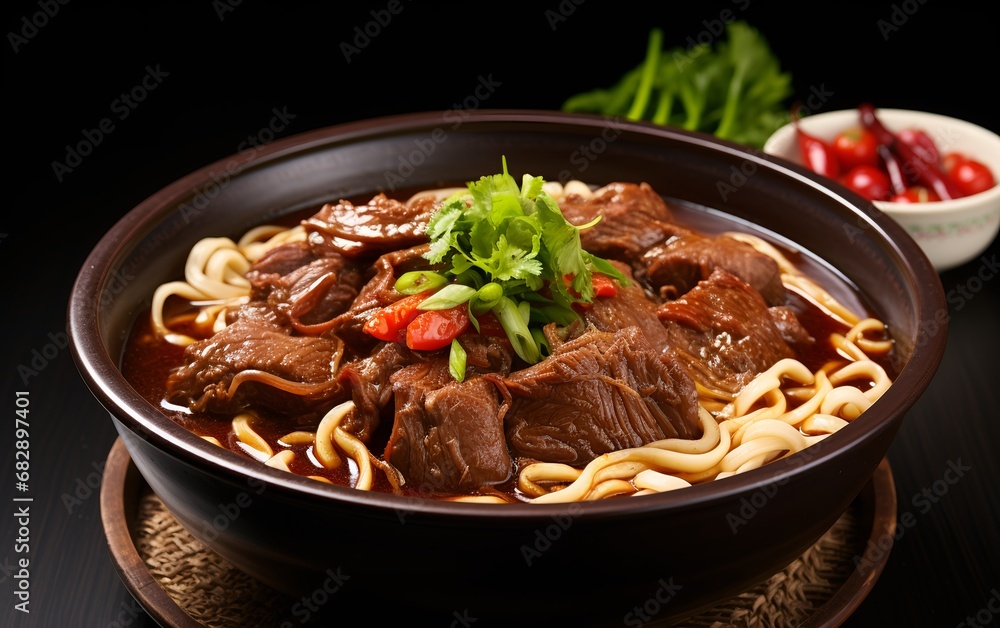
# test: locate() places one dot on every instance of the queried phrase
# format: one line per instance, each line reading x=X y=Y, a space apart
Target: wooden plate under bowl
x=872 y=517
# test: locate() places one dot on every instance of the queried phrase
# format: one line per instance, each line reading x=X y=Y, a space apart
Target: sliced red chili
x=604 y=286
x=389 y=323
x=435 y=329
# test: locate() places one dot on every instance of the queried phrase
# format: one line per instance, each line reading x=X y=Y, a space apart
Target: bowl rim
x=978 y=201
x=100 y=370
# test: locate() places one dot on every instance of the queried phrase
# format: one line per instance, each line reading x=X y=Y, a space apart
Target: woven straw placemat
x=214 y=593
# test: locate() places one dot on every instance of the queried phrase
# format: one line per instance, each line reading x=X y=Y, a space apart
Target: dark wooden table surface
x=150 y=94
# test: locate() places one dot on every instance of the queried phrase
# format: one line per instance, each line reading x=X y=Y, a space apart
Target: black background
x=225 y=71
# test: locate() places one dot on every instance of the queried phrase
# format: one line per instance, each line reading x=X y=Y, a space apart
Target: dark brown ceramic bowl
x=618 y=561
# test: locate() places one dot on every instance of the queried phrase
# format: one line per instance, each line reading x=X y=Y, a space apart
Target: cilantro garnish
x=508 y=249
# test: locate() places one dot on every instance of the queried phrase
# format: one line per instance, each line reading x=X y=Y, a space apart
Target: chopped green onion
x=469 y=277
x=558 y=314
x=447 y=297
x=517 y=330
x=485 y=298
x=418 y=281
x=525 y=309
x=457 y=361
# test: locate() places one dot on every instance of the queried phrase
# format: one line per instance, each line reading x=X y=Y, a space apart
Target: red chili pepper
x=604 y=286
x=817 y=155
x=435 y=329
x=926 y=172
x=892 y=167
x=389 y=323
x=921 y=143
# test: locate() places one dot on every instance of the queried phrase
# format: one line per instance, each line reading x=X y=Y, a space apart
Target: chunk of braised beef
x=281 y=260
x=630 y=307
x=371 y=390
x=378 y=291
x=382 y=224
x=676 y=266
x=633 y=218
x=597 y=393
x=255 y=362
x=725 y=334
x=369 y=378
x=789 y=326
x=448 y=435
x=310 y=285
x=486 y=354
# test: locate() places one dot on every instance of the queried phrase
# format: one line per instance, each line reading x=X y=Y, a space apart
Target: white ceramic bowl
x=950 y=232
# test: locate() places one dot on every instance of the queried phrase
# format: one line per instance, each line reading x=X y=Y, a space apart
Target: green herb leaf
x=736 y=90
x=505 y=243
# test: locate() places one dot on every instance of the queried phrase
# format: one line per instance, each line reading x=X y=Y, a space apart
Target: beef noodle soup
x=503 y=342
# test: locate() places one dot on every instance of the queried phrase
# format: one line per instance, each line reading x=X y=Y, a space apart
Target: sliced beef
x=633 y=218
x=597 y=393
x=486 y=354
x=447 y=435
x=310 y=284
x=378 y=291
x=631 y=307
x=725 y=334
x=256 y=362
x=381 y=225
x=371 y=390
x=281 y=260
x=371 y=384
x=676 y=266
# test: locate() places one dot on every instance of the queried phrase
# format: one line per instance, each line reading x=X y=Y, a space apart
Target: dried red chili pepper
x=926 y=172
x=896 y=178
